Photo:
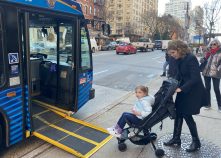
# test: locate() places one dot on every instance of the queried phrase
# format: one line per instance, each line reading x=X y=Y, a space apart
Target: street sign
x=13 y=58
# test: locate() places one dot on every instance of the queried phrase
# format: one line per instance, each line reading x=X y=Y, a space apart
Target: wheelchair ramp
x=74 y=136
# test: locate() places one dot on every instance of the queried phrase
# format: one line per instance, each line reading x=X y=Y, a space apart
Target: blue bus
x=45 y=72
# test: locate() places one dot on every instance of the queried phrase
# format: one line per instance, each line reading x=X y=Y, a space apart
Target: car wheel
x=93 y=50
x=117 y=53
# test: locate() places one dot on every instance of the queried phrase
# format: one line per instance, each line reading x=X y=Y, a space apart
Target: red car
x=126 y=48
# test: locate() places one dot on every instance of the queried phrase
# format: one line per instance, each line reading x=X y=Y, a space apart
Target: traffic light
x=106 y=29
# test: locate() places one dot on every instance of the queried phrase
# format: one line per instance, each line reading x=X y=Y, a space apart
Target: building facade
x=196 y=29
x=178 y=9
x=87 y=8
x=99 y=9
x=125 y=16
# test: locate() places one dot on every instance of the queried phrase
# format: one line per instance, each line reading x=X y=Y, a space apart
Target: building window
x=90 y=10
x=95 y=11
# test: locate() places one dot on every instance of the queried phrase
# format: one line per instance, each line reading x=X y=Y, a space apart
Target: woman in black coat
x=190 y=94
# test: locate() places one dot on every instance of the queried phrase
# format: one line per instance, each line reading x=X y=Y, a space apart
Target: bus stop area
x=208 y=124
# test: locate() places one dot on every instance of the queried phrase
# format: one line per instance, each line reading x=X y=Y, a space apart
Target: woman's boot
x=164 y=74
x=176 y=133
x=195 y=145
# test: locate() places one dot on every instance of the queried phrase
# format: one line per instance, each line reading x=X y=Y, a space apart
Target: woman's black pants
x=190 y=123
x=216 y=83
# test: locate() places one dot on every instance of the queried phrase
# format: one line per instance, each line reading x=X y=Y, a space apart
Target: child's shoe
x=114 y=132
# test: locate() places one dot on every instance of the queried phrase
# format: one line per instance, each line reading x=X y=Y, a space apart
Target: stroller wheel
x=122 y=147
x=153 y=136
x=159 y=152
x=120 y=140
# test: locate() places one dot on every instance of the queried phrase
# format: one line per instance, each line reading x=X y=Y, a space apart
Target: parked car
x=123 y=40
x=144 y=44
x=158 y=44
x=109 y=46
x=94 y=46
x=126 y=48
x=165 y=44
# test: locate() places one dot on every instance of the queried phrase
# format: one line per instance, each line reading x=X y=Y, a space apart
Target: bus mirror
x=106 y=29
x=85 y=22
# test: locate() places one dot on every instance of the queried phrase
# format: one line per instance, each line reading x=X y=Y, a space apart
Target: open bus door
x=58 y=79
x=46 y=67
x=51 y=58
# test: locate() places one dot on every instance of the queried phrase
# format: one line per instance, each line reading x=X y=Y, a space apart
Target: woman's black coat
x=192 y=97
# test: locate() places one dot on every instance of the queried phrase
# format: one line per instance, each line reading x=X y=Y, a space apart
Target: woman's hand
x=219 y=68
x=202 y=60
x=178 y=90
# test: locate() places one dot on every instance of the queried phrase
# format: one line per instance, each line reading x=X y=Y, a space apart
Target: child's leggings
x=133 y=119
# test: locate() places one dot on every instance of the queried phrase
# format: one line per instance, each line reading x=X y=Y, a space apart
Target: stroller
x=140 y=134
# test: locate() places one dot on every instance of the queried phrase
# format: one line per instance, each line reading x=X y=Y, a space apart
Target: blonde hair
x=180 y=46
x=143 y=89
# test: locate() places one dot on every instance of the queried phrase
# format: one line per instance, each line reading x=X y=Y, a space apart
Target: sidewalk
x=208 y=123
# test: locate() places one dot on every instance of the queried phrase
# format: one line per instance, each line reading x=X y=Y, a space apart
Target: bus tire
x=1 y=137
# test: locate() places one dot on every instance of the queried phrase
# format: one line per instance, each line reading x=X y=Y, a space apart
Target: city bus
x=46 y=72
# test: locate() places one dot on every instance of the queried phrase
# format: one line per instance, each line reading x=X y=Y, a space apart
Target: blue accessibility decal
x=13 y=58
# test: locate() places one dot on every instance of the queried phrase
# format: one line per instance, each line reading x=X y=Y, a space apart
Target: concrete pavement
x=208 y=123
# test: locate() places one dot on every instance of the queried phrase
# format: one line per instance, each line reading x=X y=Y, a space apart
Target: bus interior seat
x=35 y=77
x=48 y=79
x=48 y=82
x=65 y=83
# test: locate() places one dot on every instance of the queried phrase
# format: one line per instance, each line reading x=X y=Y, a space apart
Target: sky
x=161 y=4
x=161 y=8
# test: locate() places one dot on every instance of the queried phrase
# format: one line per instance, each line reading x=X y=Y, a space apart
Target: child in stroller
x=141 y=109
x=162 y=108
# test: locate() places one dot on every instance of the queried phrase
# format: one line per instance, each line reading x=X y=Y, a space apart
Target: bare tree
x=212 y=15
x=167 y=24
x=105 y=13
x=162 y=26
x=149 y=20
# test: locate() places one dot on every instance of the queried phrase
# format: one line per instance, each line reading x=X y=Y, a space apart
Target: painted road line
x=160 y=62
x=158 y=57
x=97 y=73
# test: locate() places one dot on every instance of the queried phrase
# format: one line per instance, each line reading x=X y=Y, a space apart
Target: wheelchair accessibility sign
x=13 y=58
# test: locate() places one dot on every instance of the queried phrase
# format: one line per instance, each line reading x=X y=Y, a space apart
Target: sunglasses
x=213 y=44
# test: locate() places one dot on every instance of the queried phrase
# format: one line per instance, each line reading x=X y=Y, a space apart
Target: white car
x=94 y=46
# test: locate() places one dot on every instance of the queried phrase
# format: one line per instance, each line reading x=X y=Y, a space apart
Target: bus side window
x=85 y=51
x=1 y=52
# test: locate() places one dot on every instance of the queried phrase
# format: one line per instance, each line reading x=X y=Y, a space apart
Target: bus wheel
x=1 y=137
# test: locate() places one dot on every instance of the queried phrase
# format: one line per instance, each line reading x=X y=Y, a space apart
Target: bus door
x=50 y=60
x=85 y=90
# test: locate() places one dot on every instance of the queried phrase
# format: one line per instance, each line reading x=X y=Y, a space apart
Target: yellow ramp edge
x=70 y=150
x=59 y=145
